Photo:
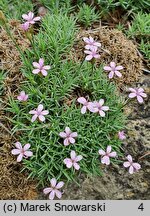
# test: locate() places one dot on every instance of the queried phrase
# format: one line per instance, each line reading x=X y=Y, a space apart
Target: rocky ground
x=116 y=182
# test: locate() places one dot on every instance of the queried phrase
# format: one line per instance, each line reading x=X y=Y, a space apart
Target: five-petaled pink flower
x=22 y=96
x=22 y=151
x=86 y=105
x=139 y=93
x=92 y=53
x=133 y=167
x=39 y=113
x=113 y=70
x=105 y=159
x=121 y=135
x=40 y=67
x=30 y=19
x=73 y=161
x=54 y=189
x=91 y=43
x=98 y=107
x=68 y=136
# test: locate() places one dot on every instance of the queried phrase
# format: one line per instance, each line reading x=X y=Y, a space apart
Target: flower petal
x=35 y=71
x=62 y=134
x=118 y=73
x=18 y=145
x=136 y=166
x=83 y=110
x=53 y=182
x=105 y=160
x=105 y=108
x=76 y=166
x=119 y=67
x=47 y=67
x=41 y=118
x=129 y=157
x=67 y=130
x=101 y=152
x=40 y=108
x=111 y=74
x=73 y=155
x=36 y=65
x=102 y=113
x=107 y=68
x=140 y=99
x=74 y=134
x=34 y=117
x=112 y=64
x=15 y=151
x=47 y=190
x=19 y=158
x=26 y=147
x=101 y=102
x=28 y=153
x=41 y=62
x=44 y=72
x=58 y=194
x=52 y=195
x=82 y=100
x=66 y=142
x=78 y=158
x=68 y=162
x=36 y=19
x=60 y=185
x=112 y=154
x=45 y=112
x=131 y=170
x=88 y=57
x=132 y=95
x=71 y=140
x=126 y=164
x=108 y=150
x=132 y=90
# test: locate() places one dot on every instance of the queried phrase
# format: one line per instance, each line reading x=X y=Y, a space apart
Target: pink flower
x=54 y=189
x=73 y=160
x=113 y=70
x=40 y=67
x=98 y=107
x=68 y=136
x=22 y=96
x=39 y=113
x=133 y=167
x=121 y=135
x=92 y=53
x=139 y=93
x=86 y=105
x=30 y=19
x=21 y=151
x=105 y=159
x=91 y=43
x=25 y=26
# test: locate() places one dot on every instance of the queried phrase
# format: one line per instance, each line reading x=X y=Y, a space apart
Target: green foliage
x=134 y=5
x=56 y=5
x=14 y=8
x=87 y=15
x=140 y=30
x=66 y=79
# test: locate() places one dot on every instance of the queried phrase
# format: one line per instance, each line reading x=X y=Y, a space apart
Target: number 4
x=141 y=207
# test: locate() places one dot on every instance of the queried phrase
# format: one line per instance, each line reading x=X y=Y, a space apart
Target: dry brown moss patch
x=115 y=47
x=13 y=184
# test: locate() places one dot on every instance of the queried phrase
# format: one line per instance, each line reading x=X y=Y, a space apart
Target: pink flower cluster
x=94 y=107
x=91 y=48
x=29 y=20
x=105 y=159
